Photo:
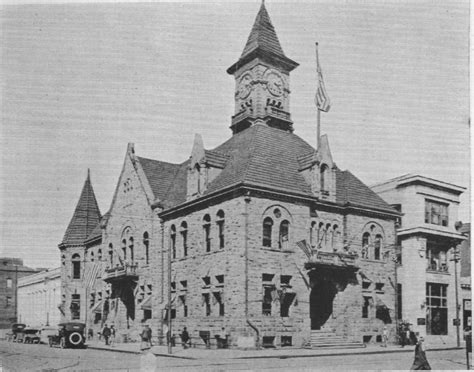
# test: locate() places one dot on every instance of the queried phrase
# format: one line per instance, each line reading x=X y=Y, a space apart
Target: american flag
x=323 y=103
x=304 y=247
x=91 y=274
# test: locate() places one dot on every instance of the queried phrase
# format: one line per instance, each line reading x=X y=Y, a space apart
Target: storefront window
x=437 y=309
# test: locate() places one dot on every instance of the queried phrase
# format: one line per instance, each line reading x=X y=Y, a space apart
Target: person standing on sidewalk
x=106 y=334
x=146 y=338
x=112 y=335
x=384 y=336
x=420 y=362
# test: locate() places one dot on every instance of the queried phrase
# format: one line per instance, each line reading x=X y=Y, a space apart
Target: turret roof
x=85 y=218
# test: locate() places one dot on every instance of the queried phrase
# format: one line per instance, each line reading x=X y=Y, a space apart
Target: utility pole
x=456 y=258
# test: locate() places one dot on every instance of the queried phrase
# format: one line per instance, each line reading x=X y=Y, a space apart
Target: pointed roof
x=263 y=42
x=85 y=218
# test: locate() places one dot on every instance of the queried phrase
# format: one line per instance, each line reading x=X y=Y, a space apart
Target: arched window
x=184 y=237
x=335 y=238
x=197 y=169
x=220 y=227
x=323 y=177
x=63 y=259
x=124 y=249
x=365 y=245
x=146 y=244
x=321 y=235
x=267 y=232
x=206 y=226
x=313 y=235
x=377 y=247
x=111 y=254
x=76 y=266
x=173 y=241
x=99 y=255
x=283 y=236
x=328 y=237
x=92 y=256
x=130 y=246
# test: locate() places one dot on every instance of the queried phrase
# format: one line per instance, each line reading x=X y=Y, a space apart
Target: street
x=21 y=357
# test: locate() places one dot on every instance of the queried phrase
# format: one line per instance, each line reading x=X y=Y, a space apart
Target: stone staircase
x=327 y=338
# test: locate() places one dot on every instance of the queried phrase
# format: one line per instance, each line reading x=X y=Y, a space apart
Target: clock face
x=275 y=83
x=245 y=86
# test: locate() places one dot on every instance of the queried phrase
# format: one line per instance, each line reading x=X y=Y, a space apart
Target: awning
x=146 y=304
x=97 y=308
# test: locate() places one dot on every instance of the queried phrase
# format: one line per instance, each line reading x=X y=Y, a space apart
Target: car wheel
x=62 y=343
x=75 y=338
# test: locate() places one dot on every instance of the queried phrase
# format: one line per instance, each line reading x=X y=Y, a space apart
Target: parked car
x=31 y=335
x=16 y=334
x=69 y=335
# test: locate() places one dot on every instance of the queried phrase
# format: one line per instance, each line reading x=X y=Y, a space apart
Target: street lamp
x=456 y=258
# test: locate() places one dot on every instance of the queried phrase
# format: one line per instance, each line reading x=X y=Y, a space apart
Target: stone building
x=465 y=255
x=11 y=270
x=219 y=232
x=428 y=237
x=38 y=298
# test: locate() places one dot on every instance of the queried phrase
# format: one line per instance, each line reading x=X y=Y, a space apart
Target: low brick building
x=262 y=239
x=11 y=270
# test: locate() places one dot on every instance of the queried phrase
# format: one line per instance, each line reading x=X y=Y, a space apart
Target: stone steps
x=328 y=339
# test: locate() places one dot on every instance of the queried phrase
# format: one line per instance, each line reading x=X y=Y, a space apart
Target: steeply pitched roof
x=85 y=218
x=263 y=42
x=259 y=156
x=167 y=180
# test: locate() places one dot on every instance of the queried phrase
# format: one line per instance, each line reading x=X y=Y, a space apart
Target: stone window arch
x=124 y=249
x=365 y=244
x=131 y=249
x=220 y=227
x=173 y=240
x=146 y=244
x=76 y=266
x=336 y=237
x=267 y=232
x=313 y=234
x=284 y=234
x=206 y=228
x=377 y=246
x=184 y=238
x=111 y=254
x=324 y=171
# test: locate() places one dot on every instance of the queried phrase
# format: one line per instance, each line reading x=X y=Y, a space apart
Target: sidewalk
x=287 y=352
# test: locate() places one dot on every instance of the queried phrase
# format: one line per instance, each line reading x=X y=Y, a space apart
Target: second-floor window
x=436 y=213
x=76 y=266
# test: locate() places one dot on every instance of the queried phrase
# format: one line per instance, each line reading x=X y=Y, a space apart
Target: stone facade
x=262 y=240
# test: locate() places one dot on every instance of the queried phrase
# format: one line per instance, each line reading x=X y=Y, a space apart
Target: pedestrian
x=90 y=334
x=185 y=339
x=146 y=338
x=384 y=336
x=106 y=334
x=112 y=335
x=420 y=362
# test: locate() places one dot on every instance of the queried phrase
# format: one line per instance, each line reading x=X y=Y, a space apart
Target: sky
x=80 y=81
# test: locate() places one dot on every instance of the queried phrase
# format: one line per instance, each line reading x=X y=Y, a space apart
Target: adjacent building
x=465 y=256
x=428 y=274
x=11 y=270
x=39 y=297
x=262 y=239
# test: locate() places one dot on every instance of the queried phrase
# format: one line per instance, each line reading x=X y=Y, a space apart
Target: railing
x=120 y=272
x=434 y=267
x=278 y=113
x=334 y=259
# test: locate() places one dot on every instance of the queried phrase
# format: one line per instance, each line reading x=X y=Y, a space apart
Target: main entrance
x=329 y=273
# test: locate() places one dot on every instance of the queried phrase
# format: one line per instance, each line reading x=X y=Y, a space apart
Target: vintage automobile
x=16 y=334
x=69 y=335
x=31 y=335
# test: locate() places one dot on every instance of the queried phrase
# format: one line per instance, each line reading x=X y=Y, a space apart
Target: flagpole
x=318 y=115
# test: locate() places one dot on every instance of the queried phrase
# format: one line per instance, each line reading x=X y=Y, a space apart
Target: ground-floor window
x=146 y=314
x=286 y=341
x=75 y=306
x=437 y=309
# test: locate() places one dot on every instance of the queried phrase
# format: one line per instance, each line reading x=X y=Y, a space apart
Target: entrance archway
x=321 y=301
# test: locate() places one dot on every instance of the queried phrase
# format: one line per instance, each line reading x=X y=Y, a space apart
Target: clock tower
x=262 y=79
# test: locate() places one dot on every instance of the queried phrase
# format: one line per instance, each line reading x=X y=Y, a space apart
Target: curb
x=113 y=350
